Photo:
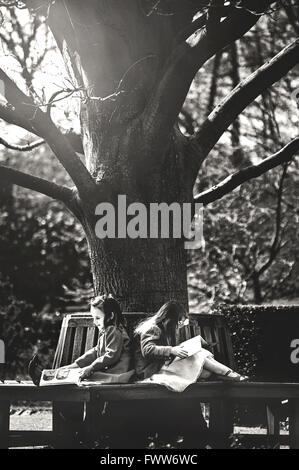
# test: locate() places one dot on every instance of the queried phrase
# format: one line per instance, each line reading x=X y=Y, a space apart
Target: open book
x=60 y=377
x=72 y=377
x=192 y=346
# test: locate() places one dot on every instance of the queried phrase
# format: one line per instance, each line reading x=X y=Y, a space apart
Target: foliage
x=241 y=228
x=25 y=332
x=246 y=335
x=41 y=250
x=42 y=247
x=261 y=339
x=239 y=233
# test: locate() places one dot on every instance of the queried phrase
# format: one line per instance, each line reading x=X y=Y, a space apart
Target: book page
x=60 y=377
x=192 y=346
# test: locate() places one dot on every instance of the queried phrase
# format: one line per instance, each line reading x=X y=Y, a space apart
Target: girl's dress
x=153 y=361
x=111 y=358
x=178 y=417
x=151 y=352
x=178 y=374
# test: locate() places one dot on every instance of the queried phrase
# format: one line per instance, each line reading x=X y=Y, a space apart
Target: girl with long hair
x=158 y=337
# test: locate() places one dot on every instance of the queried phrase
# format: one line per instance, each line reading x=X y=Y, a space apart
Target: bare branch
x=22 y=107
x=214 y=82
x=291 y=15
x=22 y=148
x=40 y=185
x=12 y=3
x=8 y=114
x=237 y=179
x=235 y=103
x=169 y=96
x=276 y=244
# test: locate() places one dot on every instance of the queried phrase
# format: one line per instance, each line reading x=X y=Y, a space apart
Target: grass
x=39 y=418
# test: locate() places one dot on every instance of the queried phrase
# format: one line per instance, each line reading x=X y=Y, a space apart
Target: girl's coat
x=111 y=358
x=152 y=353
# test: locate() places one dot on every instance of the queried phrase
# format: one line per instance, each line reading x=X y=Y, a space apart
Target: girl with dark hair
x=110 y=360
x=112 y=355
x=158 y=345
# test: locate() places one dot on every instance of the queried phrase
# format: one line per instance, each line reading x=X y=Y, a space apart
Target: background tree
x=251 y=251
x=41 y=246
x=132 y=64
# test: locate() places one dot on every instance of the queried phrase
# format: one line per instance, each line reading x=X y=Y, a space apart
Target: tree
x=251 y=254
x=133 y=64
x=254 y=227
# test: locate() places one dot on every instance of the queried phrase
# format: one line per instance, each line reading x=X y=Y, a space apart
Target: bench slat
x=78 y=335
x=78 y=346
x=61 y=344
x=66 y=357
x=30 y=393
x=203 y=390
x=90 y=338
x=207 y=334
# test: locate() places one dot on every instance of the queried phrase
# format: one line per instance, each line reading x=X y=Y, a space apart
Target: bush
x=262 y=335
x=25 y=332
x=42 y=248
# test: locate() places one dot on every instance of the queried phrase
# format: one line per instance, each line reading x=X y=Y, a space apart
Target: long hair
x=167 y=318
x=111 y=309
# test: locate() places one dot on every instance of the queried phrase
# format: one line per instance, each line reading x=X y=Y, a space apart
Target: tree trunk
x=143 y=273
x=116 y=52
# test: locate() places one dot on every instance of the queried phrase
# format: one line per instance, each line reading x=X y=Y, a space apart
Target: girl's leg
x=216 y=367
x=205 y=374
x=223 y=371
x=35 y=370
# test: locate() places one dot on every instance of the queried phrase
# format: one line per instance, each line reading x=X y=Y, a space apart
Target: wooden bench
x=78 y=335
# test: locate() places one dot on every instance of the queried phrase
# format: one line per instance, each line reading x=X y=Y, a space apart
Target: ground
x=40 y=419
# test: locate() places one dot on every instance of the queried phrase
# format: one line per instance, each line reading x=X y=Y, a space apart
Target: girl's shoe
x=35 y=370
x=232 y=376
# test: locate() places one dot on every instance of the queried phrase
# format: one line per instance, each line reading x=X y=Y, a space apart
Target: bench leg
x=221 y=422
x=67 y=424
x=294 y=424
x=92 y=421
x=273 y=422
x=4 y=424
x=273 y=410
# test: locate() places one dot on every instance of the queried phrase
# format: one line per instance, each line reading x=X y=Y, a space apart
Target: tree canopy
x=162 y=86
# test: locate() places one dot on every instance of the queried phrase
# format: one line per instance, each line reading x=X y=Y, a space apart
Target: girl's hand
x=86 y=373
x=179 y=351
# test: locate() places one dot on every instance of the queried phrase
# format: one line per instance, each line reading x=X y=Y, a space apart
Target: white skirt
x=181 y=373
